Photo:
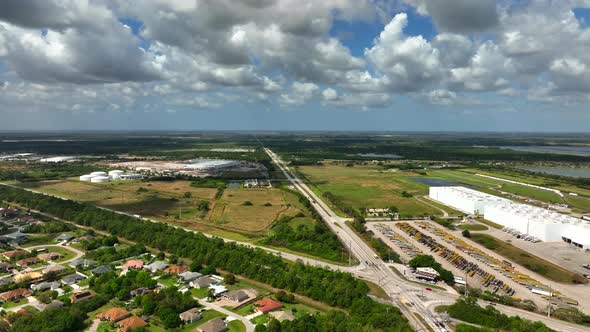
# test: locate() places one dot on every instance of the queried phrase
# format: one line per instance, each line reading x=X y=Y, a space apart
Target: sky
x=350 y=65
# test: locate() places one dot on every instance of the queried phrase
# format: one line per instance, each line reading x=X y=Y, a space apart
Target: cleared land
x=369 y=187
x=530 y=261
x=168 y=201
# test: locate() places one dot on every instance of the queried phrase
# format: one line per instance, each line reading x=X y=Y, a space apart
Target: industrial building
x=212 y=164
x=465 y=199
x=101 y=177
x=533 y=221
x=541 y=223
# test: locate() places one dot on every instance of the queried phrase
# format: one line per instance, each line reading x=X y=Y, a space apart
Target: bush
x=466 y=233
x=247 y=203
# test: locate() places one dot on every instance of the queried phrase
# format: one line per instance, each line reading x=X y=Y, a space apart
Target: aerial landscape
x=294 y=166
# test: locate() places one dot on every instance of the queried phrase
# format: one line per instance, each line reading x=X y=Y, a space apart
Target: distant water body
x=583 y=172
x=557 y=149
x=380 y=156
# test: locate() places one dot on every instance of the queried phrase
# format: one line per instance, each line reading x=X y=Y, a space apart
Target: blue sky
x=292 y=65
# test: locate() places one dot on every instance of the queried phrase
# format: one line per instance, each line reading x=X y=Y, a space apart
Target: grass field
x=369 y=187
x=473 y=227
x=166 y=201
x=531 y=262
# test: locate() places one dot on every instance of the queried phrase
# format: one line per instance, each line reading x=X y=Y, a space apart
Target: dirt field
x=369 y=187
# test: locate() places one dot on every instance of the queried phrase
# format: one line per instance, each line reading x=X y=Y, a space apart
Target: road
x=249 y=326
x=371 y=268
x=403 y=295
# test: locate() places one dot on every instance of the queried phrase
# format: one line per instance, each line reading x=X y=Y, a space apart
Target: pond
x=436 y=182
x=556 y=149
x=573 y=172
x=380 y=156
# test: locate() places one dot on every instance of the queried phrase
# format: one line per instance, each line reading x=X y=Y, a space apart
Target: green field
x=473 y=227
x=227 y=216
x=531 y=262
x=364 y=186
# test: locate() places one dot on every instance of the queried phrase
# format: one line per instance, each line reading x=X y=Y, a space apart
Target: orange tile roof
x=113 y=314
x=15 y=294
x=267 y=305
x=131 y=323
x=176 y=269
x=133 y=264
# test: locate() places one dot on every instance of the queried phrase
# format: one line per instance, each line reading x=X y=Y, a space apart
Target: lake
x=582 y=172
x=436 y=182
x=380 y=156
x=556 y=149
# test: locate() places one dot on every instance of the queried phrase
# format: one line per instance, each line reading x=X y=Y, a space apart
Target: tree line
x=331 y=287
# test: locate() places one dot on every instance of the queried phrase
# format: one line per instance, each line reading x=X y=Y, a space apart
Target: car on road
x=428 y=289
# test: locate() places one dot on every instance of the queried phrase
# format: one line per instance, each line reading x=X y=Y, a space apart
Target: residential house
x=28 y=261
x=134 y=264
x=72 y=279
x=189 y=276
x=176 y=269
x=53 y=269
x=131 y=323
x=54 y=304
x=8 y=213
x=82 y=295
x=46 y=285
x=113 y=315
x=267 y=305
x=101 y=270
x=50 y=256
x=139 y=291
x=214 y=325
x=190 y=316
x=28 y=276
x=64 y=237
x=6 y=266
x=282 y=315
x=203 y=282
x=82 y=263
x=16 y=294
x=236 y=296
x=156 y=266
x=6 y=281
x=218 y=289
x=13 y=254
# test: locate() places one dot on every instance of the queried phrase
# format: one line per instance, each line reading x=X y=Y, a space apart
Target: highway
x=403 y=294
x=371 y=267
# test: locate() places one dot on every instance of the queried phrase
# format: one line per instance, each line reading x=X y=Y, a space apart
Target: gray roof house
x=71 y=279
x=237 y=295
x=203 y=282
x=100 y=270
x=64 y=237
x=189 y=276
x=42 y=286
x=214 y=325
x=156 y=266
x=77 y=263
x=190 y=316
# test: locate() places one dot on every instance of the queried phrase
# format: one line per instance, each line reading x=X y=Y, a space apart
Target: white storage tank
x=98 y=173
x=100 y=179
x=86 y=178
x=116 y=172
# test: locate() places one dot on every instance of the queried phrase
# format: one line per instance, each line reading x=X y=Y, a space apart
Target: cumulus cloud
x=202 y=54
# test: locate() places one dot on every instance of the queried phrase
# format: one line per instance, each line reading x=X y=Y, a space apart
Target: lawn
x=369 y=187
x=200 y=293
x=528 y=260
x=8 y=305
x=236 y=326
x=473 y=227
x=67 y=254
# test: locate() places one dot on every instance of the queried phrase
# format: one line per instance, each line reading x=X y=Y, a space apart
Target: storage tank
x=98 y=173
x=116 y=172
x=86 y=178
x=100 y=179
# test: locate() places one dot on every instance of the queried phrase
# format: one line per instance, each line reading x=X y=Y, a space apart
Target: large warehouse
x=543 y=224
x=465 y=199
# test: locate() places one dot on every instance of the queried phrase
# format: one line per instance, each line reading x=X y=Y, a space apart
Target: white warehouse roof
x=466 y=199
x=203 y=164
